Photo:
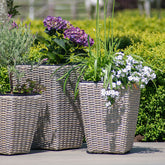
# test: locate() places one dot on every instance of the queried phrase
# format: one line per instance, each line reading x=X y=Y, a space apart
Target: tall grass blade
x=78 y=80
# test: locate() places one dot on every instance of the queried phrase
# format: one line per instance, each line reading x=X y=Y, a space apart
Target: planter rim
x=101 y=82
x=95 y=82
x=47 y=64
x=14 y=95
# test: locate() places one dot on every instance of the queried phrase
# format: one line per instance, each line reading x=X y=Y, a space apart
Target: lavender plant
x=15 y=45
x=65 y=40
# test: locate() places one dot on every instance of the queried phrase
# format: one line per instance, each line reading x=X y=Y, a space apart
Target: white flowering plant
x=125 y=71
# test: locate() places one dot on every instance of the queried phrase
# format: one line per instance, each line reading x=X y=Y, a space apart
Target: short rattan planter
x=60 y=123
x=113 y=130
x=18 y=122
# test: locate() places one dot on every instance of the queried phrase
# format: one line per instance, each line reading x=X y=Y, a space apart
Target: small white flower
x=113 y=85
x=128 y=67
x=129 y=59
x=139 y=67
x=117 y=94
x=103 y=92
x=153 y=75
x=145 y=80
x=118 y=74
x=130 y=78
x=119 y=57
x=108 y=104
x=125 y=70
x=108 y=93
x=120 y=53
x=118 y=83
x=103 y=70
x=136 y=79
x=122 y=75
x=114 y=72
x=135 y=62
x=147 y=69
x=142 y=86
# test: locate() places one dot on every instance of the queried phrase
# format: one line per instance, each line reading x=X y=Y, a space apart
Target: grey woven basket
x=60 y=123
x=18 y=122
x=108 y=130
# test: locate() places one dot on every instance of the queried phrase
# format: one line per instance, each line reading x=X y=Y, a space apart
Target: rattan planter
x=18 y=122
x=60 y=123
x=108 y=131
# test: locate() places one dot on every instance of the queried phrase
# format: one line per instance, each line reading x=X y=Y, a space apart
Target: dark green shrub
x=151 y=119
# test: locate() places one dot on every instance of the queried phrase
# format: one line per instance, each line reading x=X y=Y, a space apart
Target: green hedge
x=4 y=80
x=143 y=37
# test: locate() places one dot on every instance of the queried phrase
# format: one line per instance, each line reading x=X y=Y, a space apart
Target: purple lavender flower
x=14 y=25
x=9 y=16
x=78 y=36
x=56 y=23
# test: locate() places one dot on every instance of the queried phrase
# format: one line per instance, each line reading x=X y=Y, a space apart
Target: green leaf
x=95 y=69
x=78 y=80
x=51 y=55
x=60 y=42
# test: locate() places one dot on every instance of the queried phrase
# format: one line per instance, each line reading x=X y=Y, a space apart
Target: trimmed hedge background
x=137 y=35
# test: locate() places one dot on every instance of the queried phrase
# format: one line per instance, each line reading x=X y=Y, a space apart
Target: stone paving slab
x=141 y=154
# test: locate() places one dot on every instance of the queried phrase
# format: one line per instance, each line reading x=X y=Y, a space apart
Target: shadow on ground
x=143 y=150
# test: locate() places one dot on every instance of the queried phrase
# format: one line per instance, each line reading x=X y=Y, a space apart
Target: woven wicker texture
x=18 y=122
x=60 y=123
x=108 y=130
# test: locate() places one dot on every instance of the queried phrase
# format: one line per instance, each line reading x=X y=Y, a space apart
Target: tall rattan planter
x=18 y=122
x=108 y=130
x=60 y=123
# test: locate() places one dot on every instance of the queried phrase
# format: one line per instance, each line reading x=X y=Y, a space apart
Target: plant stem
x=113 y=10
x=11 y=81
x=97 y=30
x=97 y=41
x=105 y=16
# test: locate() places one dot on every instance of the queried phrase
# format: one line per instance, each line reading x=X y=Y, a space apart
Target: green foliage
x=4 y=80
x=30 y=87
x=14 y=47
x=57 y=50
x=35 y=55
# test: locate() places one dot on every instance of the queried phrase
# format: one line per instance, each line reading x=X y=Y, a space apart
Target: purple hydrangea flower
x=56 y=23
x=78 y=36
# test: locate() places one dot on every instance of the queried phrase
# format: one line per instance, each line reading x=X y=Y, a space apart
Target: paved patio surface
x=141 y=154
